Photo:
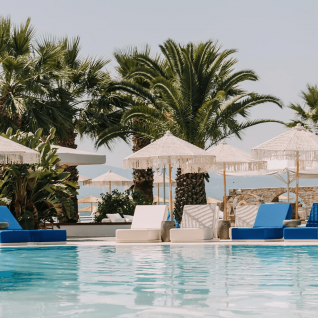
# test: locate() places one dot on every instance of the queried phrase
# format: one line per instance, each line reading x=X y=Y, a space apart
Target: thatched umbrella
x=91 y=200
x=230 y=159
x=160 y=180
x=83 y=179
x=107 y=180
x=170 y=151
x=296 y=144
x=12 y=152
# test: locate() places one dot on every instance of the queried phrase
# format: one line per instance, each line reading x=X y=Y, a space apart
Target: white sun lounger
x=199 y=223
x=146 y=225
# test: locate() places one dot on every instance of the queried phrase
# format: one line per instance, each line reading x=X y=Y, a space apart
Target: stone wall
x=256 y=196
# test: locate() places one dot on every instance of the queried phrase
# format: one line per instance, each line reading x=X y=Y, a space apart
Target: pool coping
x=111 y=241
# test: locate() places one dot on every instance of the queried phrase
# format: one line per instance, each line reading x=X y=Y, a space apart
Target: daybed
x=146 y=225
x=308 y=232
x=15 y=234
x=268 y=223
x=199 y=223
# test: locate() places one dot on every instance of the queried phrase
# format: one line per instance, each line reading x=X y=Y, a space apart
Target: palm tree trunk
x=143 y=178
x=70 y=143
x=190 y=190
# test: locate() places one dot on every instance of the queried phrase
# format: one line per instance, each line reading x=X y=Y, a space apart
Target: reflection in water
x=159 y=281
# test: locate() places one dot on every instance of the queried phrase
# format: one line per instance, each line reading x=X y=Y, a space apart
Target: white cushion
x=114 y=217
x=106 y=220
x=129 y=218
x=149 y=216
x=137 y=236
x=245 y=215
x=190 y=235
x=198 y=216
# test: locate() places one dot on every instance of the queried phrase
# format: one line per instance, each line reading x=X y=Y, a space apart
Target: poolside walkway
x=111 y=241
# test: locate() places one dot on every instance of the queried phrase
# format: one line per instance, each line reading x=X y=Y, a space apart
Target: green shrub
x=122 y=203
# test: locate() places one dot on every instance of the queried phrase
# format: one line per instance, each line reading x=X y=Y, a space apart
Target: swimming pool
x=159 y=281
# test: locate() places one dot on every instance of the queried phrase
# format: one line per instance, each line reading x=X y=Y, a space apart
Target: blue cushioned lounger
x=15 y=234
x=308 y=232
x=268 y=223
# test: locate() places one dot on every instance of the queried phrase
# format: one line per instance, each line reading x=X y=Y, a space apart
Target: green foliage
x=191 y=90
x=122 y=203
x=306 y=112
x=40 y=189
x=45 y=82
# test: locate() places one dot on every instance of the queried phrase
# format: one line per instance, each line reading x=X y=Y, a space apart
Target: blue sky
x=276 y=39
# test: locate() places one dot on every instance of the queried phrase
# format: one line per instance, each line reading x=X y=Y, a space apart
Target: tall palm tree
x=306 y=113
x=195 y=93
x=28 y=98
x=127 y=62
x=44 y=83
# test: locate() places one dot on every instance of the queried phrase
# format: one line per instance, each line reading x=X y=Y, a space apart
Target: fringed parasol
x=231 y=159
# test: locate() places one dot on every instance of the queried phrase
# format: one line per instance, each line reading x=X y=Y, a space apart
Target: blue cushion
x=313 y=217
x=14 y=236
x=247 y=234
x=47 y=235
x=301 y=233
x=256 y=233
x=272 y=215
x=6 y=216
x=53 y=235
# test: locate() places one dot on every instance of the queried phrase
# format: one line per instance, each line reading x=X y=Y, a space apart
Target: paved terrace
x=111 y=241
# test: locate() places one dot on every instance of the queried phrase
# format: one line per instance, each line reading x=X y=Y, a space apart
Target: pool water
x=159 y=281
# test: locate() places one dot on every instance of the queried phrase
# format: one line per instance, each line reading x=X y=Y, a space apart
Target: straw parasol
x=88 y=209
x=231 y=159
x=160 y=180
x=172 y=152
x=12 y=152
x=160 y=199
x=83 y=179
x=212 y=201
x=290 y=145
x=75 y=157
x=91 y=200
x=108 y=179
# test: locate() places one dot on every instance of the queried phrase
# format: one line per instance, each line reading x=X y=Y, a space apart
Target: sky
x=276 y=39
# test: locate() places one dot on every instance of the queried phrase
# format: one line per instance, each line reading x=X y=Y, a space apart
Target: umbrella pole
x=158 y=196
x=91 y=207
x=164 y=184
x=225 y=203
x=288 y=185
x=104 y=190
x=110 y=187
x=170 y=194
x=297 y=181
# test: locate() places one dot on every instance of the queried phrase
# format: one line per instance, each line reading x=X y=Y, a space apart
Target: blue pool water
x=159 y=281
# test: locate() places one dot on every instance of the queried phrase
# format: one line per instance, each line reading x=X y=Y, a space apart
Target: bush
x=36 y=193
x=122 y=203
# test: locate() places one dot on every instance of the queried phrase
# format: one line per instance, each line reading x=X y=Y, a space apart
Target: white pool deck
x=111 y=241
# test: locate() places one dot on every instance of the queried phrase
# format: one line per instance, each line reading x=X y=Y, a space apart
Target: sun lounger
x=199 y=223
x=15 y=234
x=146 y=225
x=308 y=232
x=268 y=223
x=244 y=216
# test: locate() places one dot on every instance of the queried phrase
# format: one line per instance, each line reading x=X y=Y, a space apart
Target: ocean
x=214 y=188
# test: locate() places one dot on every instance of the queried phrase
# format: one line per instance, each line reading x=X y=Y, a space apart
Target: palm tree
x=28 y=98
x=45 y=83
x=127 y=62
x=307 y=112
x=195 y=93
